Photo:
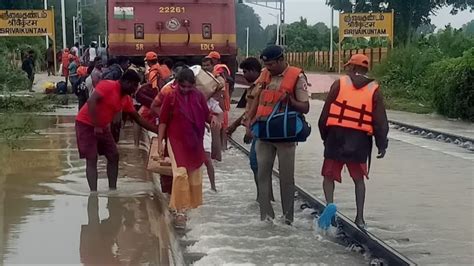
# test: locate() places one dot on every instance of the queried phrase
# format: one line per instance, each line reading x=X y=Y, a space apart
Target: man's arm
x=301 y=107
x=380 y=124
x=92 y=104
x=300 y=101
x=139 y=120
x=330 y=98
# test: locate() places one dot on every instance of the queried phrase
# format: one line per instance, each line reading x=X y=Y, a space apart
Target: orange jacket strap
x=290 y=78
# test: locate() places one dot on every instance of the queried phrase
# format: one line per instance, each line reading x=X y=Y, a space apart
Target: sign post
x=29 y=23
x=363 y=25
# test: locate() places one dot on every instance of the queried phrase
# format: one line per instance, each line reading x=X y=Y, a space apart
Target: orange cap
x=214 y=55
x=151 y=56
x=359 y=60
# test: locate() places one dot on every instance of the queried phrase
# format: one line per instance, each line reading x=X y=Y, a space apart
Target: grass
x=16 y=118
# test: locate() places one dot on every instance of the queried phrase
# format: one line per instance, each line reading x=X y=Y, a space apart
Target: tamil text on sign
x=26 y=23
x=366 y=25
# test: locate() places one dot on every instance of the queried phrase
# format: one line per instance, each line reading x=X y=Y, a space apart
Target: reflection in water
x=48 y=216
x=98 y=237
x=122 y=238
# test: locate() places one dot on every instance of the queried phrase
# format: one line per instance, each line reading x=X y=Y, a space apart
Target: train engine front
x=183 y=30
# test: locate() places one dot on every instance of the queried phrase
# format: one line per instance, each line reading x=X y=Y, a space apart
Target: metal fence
x=319 y=60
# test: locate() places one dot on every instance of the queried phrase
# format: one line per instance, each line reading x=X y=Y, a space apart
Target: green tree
x=409 y=15
x=270 y=34
x=468 y=28
x=425 y=29
x=246 y=17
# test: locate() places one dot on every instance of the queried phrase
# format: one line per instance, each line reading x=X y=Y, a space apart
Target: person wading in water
x=352 y=115
x=93 y=125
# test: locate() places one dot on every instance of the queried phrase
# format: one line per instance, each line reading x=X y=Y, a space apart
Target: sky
x=317 y=11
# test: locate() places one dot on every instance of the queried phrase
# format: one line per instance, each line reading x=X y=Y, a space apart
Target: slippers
x=327 y=216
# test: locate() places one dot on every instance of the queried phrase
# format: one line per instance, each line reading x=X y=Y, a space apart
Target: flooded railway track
x=348 y=233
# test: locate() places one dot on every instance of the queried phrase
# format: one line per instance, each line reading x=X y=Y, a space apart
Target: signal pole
x=46 y=8
x=63 y=23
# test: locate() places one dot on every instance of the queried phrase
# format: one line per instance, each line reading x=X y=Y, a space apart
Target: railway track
x=348 y=233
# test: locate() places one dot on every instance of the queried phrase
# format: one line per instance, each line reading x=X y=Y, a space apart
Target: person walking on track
x=92 y=125
x=224 y=75
x=251 y=68
x=50 y=61
x=28 y=65
x=353 y=113
x=183 y=118
x=283 y=84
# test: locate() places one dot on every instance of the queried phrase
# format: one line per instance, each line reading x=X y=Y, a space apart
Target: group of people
x=192 y=127
x=74 y=66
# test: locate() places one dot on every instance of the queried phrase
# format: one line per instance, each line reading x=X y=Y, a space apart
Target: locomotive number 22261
x=172 y=9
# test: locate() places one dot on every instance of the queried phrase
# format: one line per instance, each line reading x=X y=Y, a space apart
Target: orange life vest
x=82 y=71
x=269 y=98
x=353 y=107
x=218 y=69
x=157 y=74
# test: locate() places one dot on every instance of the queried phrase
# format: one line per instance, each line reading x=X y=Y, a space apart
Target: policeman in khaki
x=354 y=112
x=285 y=84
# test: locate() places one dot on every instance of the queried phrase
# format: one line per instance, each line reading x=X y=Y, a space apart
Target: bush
x=403 y=66
x=11 y=78
x=452 y=84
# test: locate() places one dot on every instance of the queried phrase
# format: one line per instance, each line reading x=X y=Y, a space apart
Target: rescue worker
x=156 y=73
x=65 y=64
x=252 y=69
x=223 y=74
x=286 y=84
x=354 y=112
x=114 y=71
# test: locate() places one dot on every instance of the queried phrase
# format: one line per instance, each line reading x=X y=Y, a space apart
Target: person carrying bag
x=278 y=124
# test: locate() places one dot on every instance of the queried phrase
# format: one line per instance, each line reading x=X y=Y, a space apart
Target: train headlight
x=139 y=31
x=206 y=31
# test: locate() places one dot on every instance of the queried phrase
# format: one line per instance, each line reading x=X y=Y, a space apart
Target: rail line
x=348 y=233
x=461 y=141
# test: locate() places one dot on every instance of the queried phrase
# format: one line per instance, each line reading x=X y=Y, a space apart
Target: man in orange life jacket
x=223 y=74
x=354 y=112
x=281 y=82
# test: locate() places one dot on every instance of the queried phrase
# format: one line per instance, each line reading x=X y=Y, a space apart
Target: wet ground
x=49 y=216
x=419 y=198
x=229 y=230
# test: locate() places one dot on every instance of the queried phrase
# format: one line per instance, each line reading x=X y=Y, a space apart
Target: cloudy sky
x=317 y=11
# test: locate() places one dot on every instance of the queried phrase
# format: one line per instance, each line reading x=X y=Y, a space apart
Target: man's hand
x=381 y=154
x=248 y=136
x=98 y=130
x=161 y=149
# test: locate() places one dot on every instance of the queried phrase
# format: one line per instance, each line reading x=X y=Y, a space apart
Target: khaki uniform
x=266 y=152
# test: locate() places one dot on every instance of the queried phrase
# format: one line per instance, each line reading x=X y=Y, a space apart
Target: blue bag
x=286 y=126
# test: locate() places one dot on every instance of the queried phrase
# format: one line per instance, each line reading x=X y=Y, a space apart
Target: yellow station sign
x=357 y=25
x=27 y=23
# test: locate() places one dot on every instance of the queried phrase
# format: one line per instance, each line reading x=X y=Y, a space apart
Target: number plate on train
x=172 y=9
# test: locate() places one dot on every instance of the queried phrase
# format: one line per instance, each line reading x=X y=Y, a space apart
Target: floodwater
x=49 y=217
x=419 y=197
x=228 y=228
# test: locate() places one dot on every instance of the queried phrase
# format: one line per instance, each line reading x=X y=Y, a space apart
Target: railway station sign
x=357 y=25
x=365 y=25
x=27 y=23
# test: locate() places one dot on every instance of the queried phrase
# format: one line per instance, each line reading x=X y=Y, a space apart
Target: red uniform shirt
x=111 y=103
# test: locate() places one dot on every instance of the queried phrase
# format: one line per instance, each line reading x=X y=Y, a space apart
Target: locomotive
x=182 y=30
